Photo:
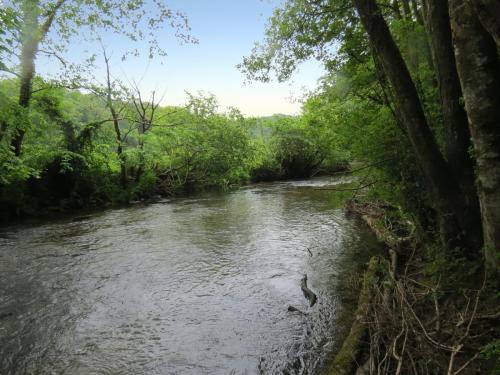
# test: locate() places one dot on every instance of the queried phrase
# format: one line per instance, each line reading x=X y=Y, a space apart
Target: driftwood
x=308 y=293
x=294 y=309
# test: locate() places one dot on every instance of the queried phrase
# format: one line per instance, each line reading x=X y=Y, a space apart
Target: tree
x=145 y=116
x=109 y=93
x=331 y=31
x=29 y=26
x=479 y=70
x=455 y=123
x=453 y=213
x=488 y=12
x=34 y=31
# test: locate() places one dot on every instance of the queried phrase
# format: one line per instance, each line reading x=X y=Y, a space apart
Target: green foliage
x=353 y=109
x=55 y=25
x=492 y=351
x=299 y=30
x=349 y=118
x=70 y=152
x=294 y=147
x=199 y=147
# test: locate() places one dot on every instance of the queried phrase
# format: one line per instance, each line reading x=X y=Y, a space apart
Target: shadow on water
x=197 y=285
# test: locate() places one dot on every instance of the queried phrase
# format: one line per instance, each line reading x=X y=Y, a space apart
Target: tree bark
x=28 y=53
x=446 y=195
x=119 y=147
x=455 y=123
x=33 y=34
x=116 y=124
x=488 y=12
x=479 y=71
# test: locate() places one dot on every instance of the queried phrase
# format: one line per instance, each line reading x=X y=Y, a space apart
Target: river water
x=197 y=285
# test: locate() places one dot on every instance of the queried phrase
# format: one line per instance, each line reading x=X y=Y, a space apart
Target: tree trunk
x=33 y=34
x=446 y=195
x=119 y=147
x=28 y=54
x=456 y=127
x=479 y=71
x=488 y=12
x=116 y=123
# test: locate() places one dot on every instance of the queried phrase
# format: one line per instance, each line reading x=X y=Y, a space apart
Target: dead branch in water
x=308 y=293
x=294 y=309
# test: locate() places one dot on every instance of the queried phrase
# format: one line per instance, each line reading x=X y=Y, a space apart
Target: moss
x=345 y=359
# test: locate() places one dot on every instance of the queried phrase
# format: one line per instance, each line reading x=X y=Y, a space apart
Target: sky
x=226 y=31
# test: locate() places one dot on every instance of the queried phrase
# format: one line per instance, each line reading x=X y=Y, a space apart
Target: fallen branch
x=308 y=293
x=294 y=309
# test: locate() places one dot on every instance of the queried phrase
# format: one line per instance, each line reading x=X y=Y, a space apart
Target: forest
x=409 y=109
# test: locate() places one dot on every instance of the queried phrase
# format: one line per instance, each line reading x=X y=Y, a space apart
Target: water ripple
x=188 y=286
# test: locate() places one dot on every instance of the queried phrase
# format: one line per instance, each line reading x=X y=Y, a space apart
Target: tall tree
x=48 y=28
x=33 y=33
x=144 y=118
x=330 y=30
x=455 y=123
x=479 y=70
x=108 y=93
x=447 y=197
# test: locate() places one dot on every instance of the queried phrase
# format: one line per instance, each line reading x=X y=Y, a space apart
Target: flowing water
x=197 y=285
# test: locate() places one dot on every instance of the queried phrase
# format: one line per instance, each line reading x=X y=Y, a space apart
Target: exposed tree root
x=408 y=322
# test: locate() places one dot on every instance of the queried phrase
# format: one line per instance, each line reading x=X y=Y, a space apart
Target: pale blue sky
x=227 y=31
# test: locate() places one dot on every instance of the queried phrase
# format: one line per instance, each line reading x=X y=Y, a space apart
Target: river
x=195 y=285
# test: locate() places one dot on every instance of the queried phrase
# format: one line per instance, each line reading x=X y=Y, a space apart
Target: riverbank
x=62 y=195
x=417 y=314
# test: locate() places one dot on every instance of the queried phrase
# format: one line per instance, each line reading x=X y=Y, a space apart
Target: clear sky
x=227 y=31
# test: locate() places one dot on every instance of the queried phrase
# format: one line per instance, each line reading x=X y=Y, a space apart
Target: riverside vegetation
x=69 y=141
x=413 y=90
x=411 y=95
x=74 y=156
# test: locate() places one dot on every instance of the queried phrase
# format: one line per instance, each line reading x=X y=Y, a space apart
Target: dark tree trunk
x=119 y=148
x=387 y=92
x=447 y=198
x=479 y=71
x=488 y=12
x=456 y=127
